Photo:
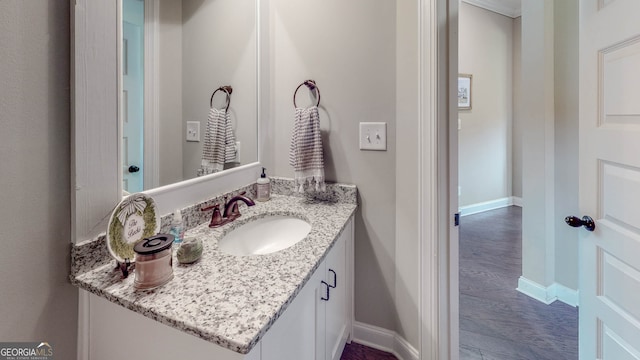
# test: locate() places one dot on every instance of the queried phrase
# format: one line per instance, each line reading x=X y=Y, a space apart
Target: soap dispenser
x=263 y=187
x=177 y=227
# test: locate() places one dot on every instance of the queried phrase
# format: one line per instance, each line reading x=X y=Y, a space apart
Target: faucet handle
x=216 y=218
x=235 y=212
x=214 y=206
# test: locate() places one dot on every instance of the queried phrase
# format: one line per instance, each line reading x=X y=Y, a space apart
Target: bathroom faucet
x=231 y=207
x=230 y=211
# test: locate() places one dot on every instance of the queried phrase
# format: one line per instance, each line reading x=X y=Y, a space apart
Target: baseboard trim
x=566 y=295
x=385 y=340
x=548 y=294
x=517 y=201
x=487 y=205
x=534 y=290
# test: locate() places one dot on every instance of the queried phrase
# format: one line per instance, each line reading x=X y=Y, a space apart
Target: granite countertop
x=229 y=300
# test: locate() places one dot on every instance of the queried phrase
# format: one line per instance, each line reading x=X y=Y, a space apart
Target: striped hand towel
x=229 y=140
x=305 y=153
x=219 y=144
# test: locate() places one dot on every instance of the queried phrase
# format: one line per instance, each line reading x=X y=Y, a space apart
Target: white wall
x=538 y=180
x=349 y=48
x=37 y=303
x=486 y=52
x=566 y=140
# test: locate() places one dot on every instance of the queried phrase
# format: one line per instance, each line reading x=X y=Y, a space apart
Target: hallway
x=496 y=321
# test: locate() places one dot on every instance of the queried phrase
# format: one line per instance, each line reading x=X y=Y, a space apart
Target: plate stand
x=124 y=267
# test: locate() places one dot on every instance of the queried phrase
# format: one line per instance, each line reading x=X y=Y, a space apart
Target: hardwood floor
x=356 y=351
x=496 y=321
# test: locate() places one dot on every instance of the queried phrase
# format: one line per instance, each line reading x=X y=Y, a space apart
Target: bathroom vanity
x=296 y=303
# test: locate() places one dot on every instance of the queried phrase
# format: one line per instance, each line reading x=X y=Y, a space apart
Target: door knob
x=586 y=221
x=133 y=169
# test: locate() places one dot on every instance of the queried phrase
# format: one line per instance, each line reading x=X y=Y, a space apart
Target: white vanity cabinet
x=310 y=328
x=317 y=324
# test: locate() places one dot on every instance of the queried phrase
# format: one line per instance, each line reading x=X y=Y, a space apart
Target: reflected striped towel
x=219 y=145
x=305 y=153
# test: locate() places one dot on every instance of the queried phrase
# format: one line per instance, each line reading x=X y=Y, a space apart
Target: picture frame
x=464 y=91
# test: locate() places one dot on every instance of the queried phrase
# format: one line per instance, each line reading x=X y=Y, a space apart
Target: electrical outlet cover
x=193 y=131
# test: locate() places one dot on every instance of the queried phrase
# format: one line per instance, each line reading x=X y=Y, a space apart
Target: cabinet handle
x=335 y=279
x=328 y=286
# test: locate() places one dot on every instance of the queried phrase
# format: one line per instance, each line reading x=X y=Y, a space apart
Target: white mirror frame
x=96 y=171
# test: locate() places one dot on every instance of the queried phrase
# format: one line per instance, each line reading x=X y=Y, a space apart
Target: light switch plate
x=373 y=136
x=193 y=131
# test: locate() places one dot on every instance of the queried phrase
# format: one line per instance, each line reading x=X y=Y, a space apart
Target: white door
x=610 y=179
x=132 y=107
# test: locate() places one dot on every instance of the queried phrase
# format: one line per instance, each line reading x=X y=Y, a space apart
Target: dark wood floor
x=496 y=321
x=355 y=351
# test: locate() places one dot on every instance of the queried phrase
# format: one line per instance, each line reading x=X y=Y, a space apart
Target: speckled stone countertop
x=228 y=300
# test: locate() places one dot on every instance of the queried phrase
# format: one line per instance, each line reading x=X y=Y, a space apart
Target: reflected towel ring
x=311 y=84
x=228 y=90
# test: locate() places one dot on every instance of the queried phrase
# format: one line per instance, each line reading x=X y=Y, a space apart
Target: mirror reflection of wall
x=169 y=72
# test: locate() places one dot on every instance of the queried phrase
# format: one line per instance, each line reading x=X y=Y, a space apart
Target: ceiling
x=511 y=8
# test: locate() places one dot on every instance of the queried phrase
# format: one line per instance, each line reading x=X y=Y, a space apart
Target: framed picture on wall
x=464 y=91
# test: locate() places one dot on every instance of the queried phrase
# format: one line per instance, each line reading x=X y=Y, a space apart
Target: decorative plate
x=134 y=219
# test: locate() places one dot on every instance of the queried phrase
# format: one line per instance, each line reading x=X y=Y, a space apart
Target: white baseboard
x=548 y=294
x=534 y=290
x=566 y=295
x=517 y=201
x=385 y=340
x=489 y=205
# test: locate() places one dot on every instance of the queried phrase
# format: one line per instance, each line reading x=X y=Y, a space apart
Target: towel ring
x=311 y=84
x=228 y=90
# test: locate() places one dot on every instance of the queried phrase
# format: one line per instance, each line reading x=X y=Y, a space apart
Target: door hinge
x=456 y=219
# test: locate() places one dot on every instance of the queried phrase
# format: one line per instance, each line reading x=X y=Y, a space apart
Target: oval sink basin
x=264 y=236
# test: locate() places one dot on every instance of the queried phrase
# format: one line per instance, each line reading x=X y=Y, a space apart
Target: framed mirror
x=174 y=55
x=97 y=85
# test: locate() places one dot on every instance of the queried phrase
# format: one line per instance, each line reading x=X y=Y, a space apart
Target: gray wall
x=204 y=45
x=486 y=52
x=566 y=139
x=170 y=122
x=219 y=48
x=407 y=210
x=516 y=128
x=37 y=302
x=349 y=49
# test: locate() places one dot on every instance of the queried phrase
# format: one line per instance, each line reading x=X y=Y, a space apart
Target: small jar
x=153 y=261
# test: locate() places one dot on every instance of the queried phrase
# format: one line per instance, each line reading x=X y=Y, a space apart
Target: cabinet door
x=337 y=314
x=119 y=333
x=296 y=333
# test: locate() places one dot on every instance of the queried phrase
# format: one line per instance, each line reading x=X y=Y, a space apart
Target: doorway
x=491 y=172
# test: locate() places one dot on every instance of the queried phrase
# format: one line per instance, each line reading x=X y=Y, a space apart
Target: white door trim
x=439 y=339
